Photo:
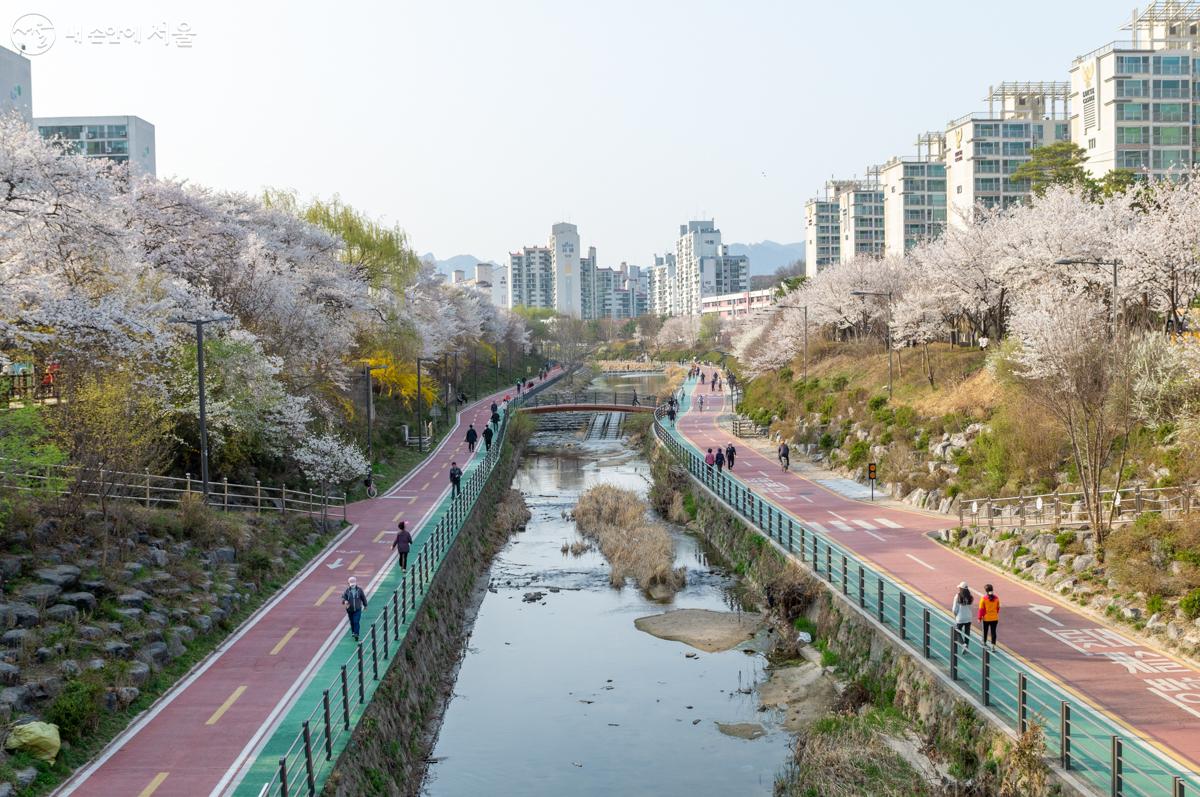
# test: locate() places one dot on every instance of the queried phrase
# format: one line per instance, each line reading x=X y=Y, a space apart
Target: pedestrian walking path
x=1144 y=692
x=204 y=736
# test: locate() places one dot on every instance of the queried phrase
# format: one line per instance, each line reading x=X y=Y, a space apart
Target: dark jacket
x=495 y=417
x=354 y=598
x=403 y=541
x=455 y=474
x=494 y=407
x=472 y=435
x=487 y=434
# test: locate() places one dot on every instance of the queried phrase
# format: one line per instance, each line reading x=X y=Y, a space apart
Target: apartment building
x=860 y=217
x=704 y=266
x=737 y=305
x=531 y=277
x=489 y=280
x=123 y=139
x=822 y=232
x=663 y=287
x=984 y=149
x=16 y=85
x=1136 y=103
x=914 y=195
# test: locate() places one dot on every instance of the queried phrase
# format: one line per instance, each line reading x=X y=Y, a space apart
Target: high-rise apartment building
x=860 y=218
x=16 y=85
x=531 y=277
x=984 y=149
x=664 y=286
x=914 y=196
x=124 y=139
x=822 y=231
x=1132 y=101
x=704 y=267
x=564 y=252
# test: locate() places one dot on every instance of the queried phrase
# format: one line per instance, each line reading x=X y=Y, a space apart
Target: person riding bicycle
x=784 y=454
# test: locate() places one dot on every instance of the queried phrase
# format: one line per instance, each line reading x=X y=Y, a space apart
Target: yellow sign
x=958 y=138
x=1089 y=72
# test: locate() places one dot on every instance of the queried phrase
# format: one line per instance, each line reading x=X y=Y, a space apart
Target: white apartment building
x=736 y=305
x=664 y=286
x=16 y=85
x=531 y=277
x=1132 y=101
x=984 y=149
x=860 y=218
x=914 y=196
x=704 y=267
x=490 y=281
x=124 y=139
x=564 y=251
x=822 y=232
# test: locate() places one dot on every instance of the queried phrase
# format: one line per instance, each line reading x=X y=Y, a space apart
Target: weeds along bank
x=102 y=611
x=897 y=730
x=388 y=752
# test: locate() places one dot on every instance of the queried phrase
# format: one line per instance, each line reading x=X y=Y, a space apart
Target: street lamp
x=199 y=323
x=888 y=294
x=368 y=369
x=1087 y=261
x=420 y=417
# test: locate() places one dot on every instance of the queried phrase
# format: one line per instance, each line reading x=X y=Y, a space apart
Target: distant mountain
x=767 y=256
x=450 y=264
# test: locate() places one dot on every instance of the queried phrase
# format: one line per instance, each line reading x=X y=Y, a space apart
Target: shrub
x=905 y=417
x=859 y=452
x=877 y=403
x=634 y=546
x=1155 y=604
x=1190 y=604
x=77 y=709
x=838 y=384
x=826 y=442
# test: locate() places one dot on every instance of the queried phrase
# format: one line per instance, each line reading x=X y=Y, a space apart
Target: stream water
x=564 y=695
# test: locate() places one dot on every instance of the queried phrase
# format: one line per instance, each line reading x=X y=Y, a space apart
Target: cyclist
x=784 y=454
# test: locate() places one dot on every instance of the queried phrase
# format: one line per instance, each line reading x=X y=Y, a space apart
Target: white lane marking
x=918 y=561
x=816 y=526
x=836 y=515
x=879 y=537
x=890 y=524
x=864 y=524
x=806 y=498
x=841 y=525
x=1044 y=613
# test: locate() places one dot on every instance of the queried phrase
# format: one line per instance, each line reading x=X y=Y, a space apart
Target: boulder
x=10 y=674
x=129 y=613
x=1083 y=562
x=62 y=613
x=40 y=594
x=15 y=697
x=116 y=649
x=17 y=637
x=10 y=567
x=25 y=777
x=155 y=654
x=223 y=555
x=1038 y=571
x=69 y=668
x=135 y=598
x=89 y=632
x=139 y=673
x=83 y=601
x=158 y=557
x=61 y=576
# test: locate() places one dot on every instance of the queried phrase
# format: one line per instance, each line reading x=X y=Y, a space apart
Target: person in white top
x=963 y=608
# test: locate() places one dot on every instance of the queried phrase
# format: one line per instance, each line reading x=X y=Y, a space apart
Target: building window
x=1017 y=148
x=1133 y=88
x=1133 y=64
x=1170 y=89
x=1170 y=137
x=1169 y=158
x=1132 y=159
x=1014 y=130
x=1062 y=131
x=987 y=130
x=1170 y=112
x=1133 y=111
x=1133 y=135
x=987 y=185
x=1170 y=64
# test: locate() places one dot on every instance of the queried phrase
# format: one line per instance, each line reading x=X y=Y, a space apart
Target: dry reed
x=634 y=545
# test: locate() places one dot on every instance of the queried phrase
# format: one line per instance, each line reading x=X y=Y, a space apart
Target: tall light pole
x=199 y=323
x=888 y=294
x=1087 y=261
x=420 y=417
x=368 y=369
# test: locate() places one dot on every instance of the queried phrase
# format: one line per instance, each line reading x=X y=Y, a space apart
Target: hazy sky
x=476 y=125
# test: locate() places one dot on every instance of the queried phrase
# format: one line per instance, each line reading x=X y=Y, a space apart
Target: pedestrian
x=989 y=614
x=962 y=606
x=495 y=406
x=402 y=544
x=720 y=460
x=635 y=399
x=730 y=455
x=701 y=403
x=784 y=455
x=671 y=415
x=487 y=438
x=496 y=418
x=355 y=600
x=702 y=377
x=472 y=436
x=712 y=386
x=455 y=478
x=710 y=460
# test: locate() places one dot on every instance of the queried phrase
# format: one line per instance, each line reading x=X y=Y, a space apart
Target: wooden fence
x=1067 y=509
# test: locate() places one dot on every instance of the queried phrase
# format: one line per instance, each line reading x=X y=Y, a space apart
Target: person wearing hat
x=355 y=600
x=962 y=608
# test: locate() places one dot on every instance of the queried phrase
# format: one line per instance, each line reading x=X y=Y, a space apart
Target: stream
x=563 y=695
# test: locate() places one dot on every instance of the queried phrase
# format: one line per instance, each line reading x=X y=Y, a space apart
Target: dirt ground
x=702 y=629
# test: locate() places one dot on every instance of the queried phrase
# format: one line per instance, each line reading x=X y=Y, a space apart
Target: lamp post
x=368 y=369
x=420 y=416
x=888 y=294
x=1086 y=261
x=199 y=323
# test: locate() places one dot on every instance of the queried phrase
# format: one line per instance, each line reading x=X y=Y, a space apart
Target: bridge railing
x=302 y=769
x=154 y=490
x=592 y=398
x=1082 y=739
x=1068 y=508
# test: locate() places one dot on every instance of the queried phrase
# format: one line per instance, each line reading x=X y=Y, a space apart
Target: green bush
x=256 y=565
x=905 y=417
x=859 y=453
x=77 y=709
x=877 y=403
x=1190 y=604
x=1155 y=604
x=838 y=384
x=826 y=442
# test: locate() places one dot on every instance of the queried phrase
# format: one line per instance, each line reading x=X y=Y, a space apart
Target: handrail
x=303 y=768
x=927 y=632
x=1057 y=509
x=593 y=397
x=157 y=490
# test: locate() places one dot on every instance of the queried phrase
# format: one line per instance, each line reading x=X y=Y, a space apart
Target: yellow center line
x=226 y=705
x=286 y=638
x=379 y=536
x=325 y=596
x=153 y=785
x=396 y=519
x=425 y=486
x=413 y=500
x=356 y=560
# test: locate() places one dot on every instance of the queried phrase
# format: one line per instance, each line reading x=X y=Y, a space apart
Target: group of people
x=722 y=458
x=965 y=612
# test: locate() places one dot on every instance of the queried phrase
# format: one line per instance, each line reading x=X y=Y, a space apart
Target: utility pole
x=199 y=323
x=420 y=417
x=367 y=371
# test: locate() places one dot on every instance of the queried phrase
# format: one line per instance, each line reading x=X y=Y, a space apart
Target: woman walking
x=402 y=544
x=962 y=607
x=989 y=614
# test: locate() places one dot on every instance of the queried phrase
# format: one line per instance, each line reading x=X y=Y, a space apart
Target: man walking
x=720 y=459
x=730 y=455
x=455 y=478
x=989 y=614
x=472 y=436
x=487 y=438
x=671 y=415
x=495 y=418
x=402 y=544
x=355 y=600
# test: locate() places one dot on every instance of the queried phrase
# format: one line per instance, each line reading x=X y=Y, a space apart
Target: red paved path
x=895 y=540
x=183 y=746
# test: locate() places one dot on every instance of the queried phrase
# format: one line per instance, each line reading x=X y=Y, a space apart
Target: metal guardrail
x=153 y=490
x=744 y=427
x=304 y=767
x=1066 y=509
x=592 y=397
x=1083 y=741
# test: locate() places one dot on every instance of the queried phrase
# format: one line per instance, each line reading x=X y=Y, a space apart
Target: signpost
x=871 y=476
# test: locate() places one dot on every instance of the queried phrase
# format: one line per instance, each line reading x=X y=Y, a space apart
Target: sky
x=476 y=124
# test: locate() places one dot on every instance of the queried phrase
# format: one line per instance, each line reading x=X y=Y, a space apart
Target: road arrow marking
x=335 y=564
x=1044 y=613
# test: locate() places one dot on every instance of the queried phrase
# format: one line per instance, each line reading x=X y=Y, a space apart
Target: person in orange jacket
x=989 y=614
